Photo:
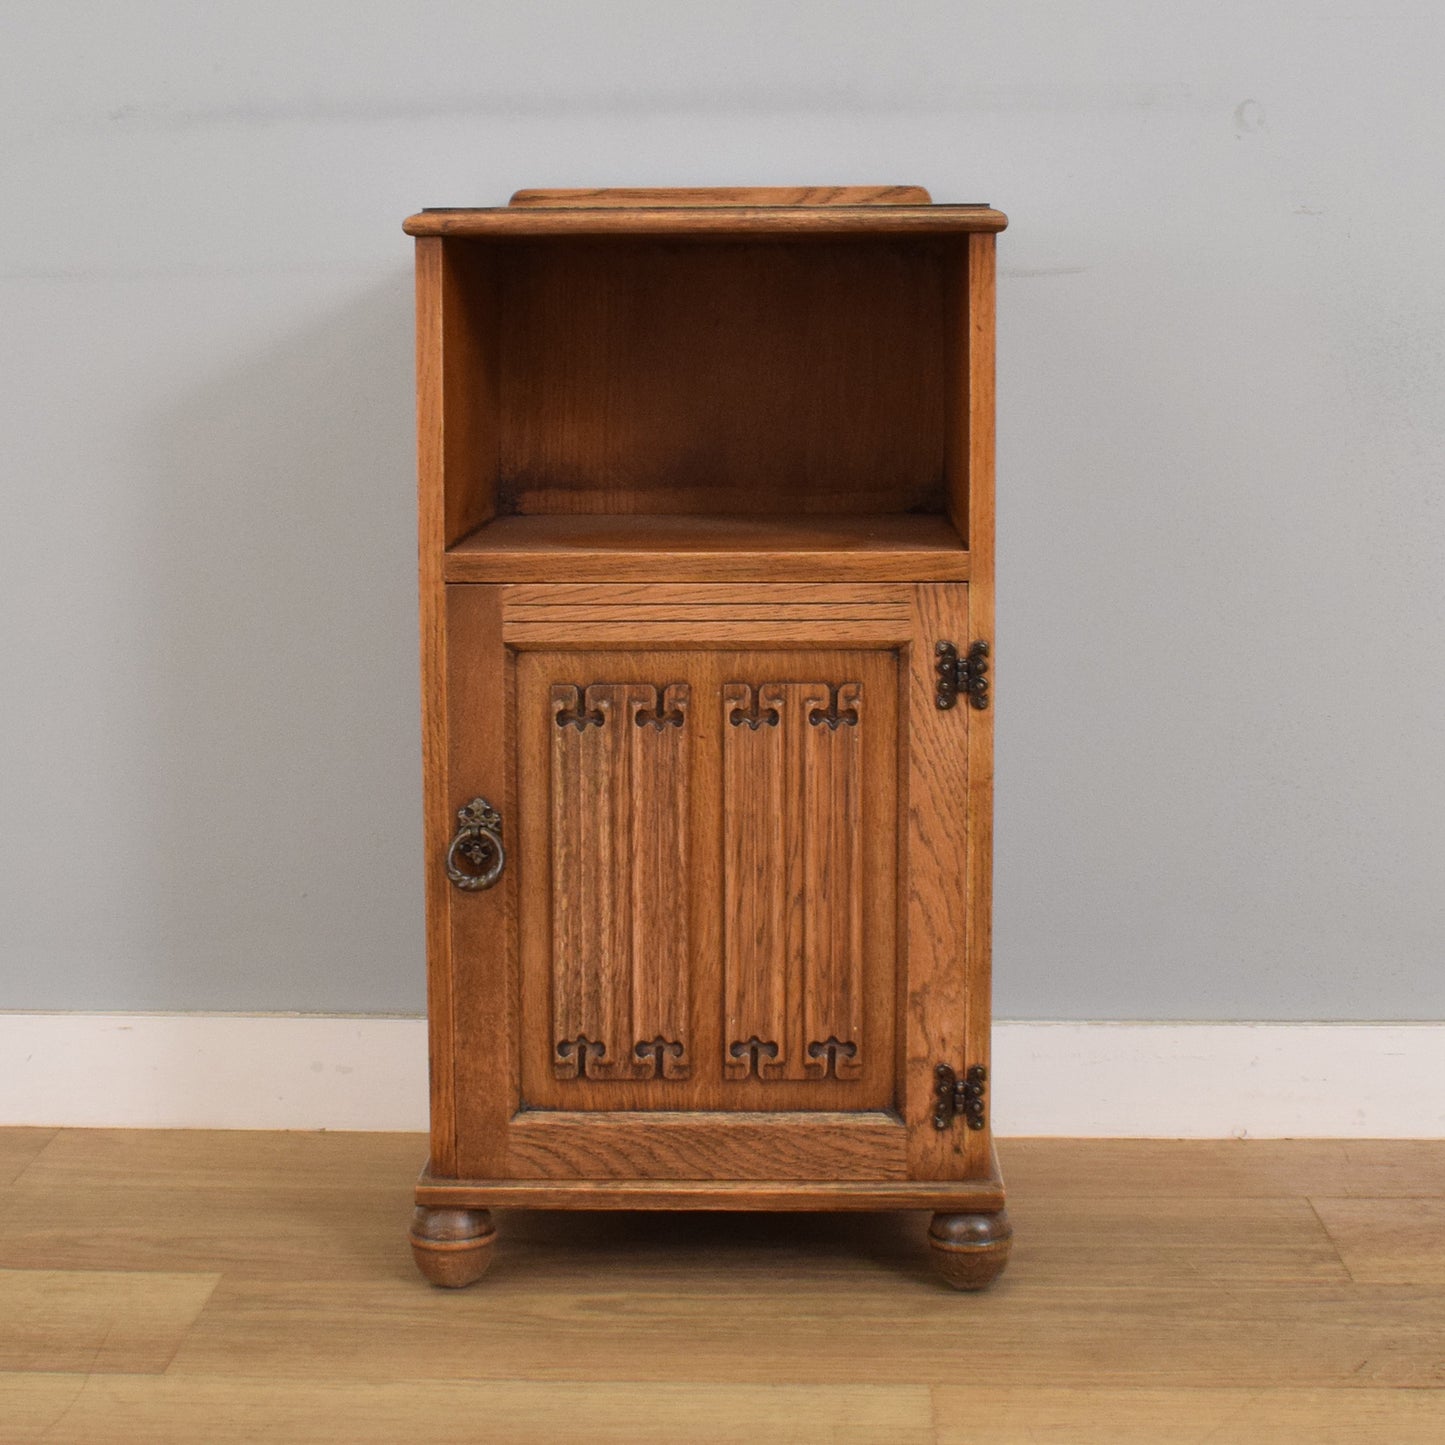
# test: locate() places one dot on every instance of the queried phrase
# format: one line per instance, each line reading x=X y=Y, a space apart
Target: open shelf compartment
x=629 y=404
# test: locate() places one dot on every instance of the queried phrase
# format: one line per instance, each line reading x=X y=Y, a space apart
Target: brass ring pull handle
x=479 y=841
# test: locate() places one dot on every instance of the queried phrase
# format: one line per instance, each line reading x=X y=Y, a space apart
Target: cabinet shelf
x=901 y=547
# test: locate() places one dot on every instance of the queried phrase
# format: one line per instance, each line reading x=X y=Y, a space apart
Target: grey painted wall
x=1222 y=521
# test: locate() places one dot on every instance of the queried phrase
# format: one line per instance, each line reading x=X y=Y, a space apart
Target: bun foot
x=452 y=1247
x=970 y=1250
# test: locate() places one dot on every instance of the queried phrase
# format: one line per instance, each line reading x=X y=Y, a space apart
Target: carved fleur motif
x=830 y=1051
x=575 y=707
x=574 y=712
x=842 y=708
x=754 y=1050
x=665 y=1055
x=749 y=708
x=668 y=710
x=575 y=1053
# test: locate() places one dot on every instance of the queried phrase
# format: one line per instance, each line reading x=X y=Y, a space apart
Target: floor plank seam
x=1248 y=1403
x=35 y=1158
x=1334 y=1243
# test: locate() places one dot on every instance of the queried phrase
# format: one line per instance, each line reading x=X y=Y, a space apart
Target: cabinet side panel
x=456 y=473
x=969 y=291
x=956 y=480
x=979 y=351
x=938 y=903
x=468 y=299
x=481 y=959
x=432 y=597
x=981 y=309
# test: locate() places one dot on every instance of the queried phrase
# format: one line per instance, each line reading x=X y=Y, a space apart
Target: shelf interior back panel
x=641 y=376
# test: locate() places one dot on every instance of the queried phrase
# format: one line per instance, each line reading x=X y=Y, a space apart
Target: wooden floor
x=210 y=1288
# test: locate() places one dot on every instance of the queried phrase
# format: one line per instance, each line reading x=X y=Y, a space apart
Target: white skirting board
x=1082 y=1080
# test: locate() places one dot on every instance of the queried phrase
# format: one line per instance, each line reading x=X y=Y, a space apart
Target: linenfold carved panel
x=619 y=829
x=792 y=810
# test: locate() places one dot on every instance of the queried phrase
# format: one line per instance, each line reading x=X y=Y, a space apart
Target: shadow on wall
x=284 y=845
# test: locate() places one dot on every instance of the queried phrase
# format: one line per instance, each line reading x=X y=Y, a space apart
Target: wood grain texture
x=723 y=633
x=1150 y=1169
x=685 y=610
x=580 y=878
x=762 y=892
x=432 y=538
x=935 y=999
x=233 y=1410
x=619 y=599
x=748 y=619
x=248 y=1231
x=481 y=948
x=883 y=548
x=663 y=602
x=590 y=833
x=196 y=1159
x=978 y=918
x=956 y=391
x=793 y=878
x=1388 y=1241
x=1018 y=1415
x=659 y=1328
x=1163 y=1291
x=620 y=844
x=1078 y=1189
x=598 y=892
x=621 y=196
x=1193 y=1239
x=699 y=1146
x=457 y=410
x=96 y=1320
x=682 y=1196
x=794 y=887
x=660 y=781
x=709 y=222
x=73 y=1409
x=834 y=826
x=716 y=379
x=470 y=378
x=19 y=1148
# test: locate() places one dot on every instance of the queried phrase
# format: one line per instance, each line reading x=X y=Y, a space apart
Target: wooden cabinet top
x=718 y=211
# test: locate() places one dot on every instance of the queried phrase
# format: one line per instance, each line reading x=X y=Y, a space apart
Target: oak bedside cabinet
x=707 y=609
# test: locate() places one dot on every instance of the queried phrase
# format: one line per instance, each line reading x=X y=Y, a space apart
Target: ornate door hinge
x=967 y=675
x=960 y=1096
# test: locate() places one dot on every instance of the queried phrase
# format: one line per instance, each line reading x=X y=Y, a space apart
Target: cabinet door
x=730 y=941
